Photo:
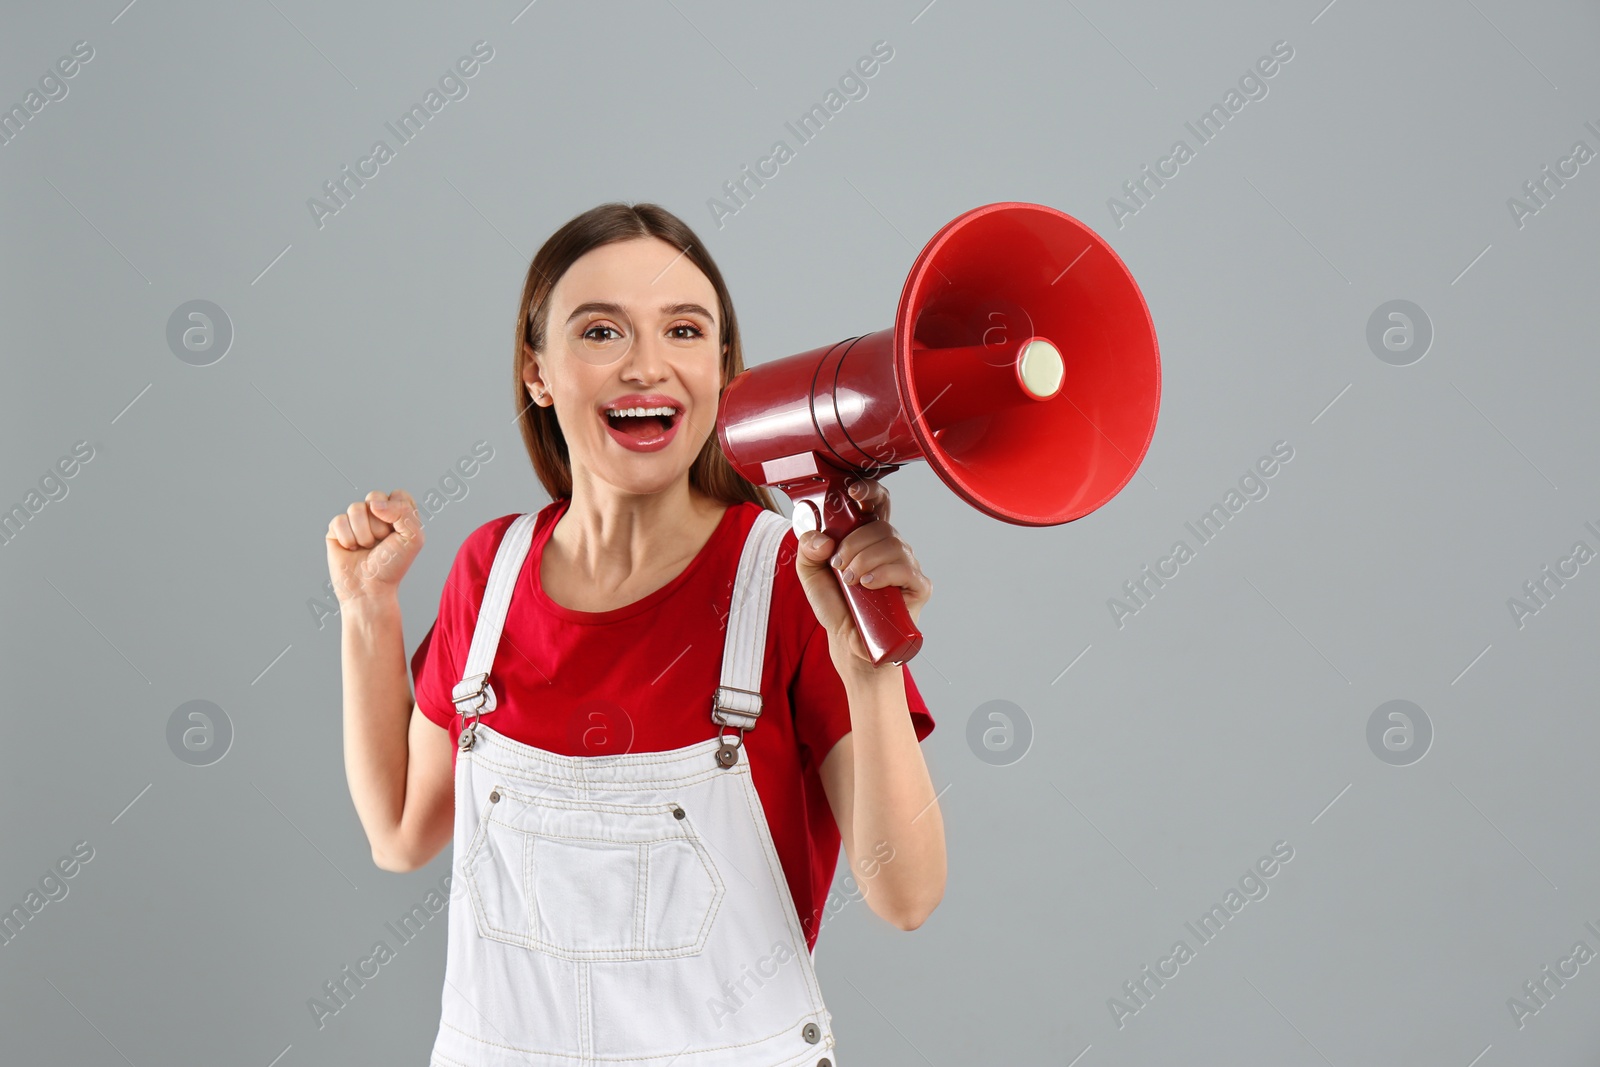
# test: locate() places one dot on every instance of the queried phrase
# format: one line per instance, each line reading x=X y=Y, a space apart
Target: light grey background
x=1228 y=714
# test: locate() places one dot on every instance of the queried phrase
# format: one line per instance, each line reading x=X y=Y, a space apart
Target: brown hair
x=604 y=224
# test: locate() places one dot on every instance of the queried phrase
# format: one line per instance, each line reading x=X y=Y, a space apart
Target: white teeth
x=642 y=411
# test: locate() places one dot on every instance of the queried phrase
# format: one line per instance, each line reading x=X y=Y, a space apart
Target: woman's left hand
x=873 y=555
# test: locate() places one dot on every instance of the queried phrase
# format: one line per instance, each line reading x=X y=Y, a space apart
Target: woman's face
x=634 y=317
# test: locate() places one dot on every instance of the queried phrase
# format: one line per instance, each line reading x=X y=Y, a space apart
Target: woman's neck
x=615 y=543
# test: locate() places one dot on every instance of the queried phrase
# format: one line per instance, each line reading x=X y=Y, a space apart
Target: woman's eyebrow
x=606 y=307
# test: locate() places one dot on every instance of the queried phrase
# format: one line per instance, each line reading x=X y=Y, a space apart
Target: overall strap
x=473 y=695
x=737 y=701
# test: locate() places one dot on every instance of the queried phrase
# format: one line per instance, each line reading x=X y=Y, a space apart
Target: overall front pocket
x=590 y=880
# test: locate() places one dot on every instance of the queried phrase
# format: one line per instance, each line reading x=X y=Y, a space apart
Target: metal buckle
x=718 y=705
x=728 y=751
x=483 y=684
x=468 y=733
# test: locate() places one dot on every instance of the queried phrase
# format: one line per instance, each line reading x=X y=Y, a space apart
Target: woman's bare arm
x=398 y=763
x=875 y=777
x=878 y=785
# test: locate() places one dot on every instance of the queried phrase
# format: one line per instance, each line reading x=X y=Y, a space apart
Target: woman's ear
x=530 y=379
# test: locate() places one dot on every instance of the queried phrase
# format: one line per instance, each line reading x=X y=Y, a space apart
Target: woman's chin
x=643 y=474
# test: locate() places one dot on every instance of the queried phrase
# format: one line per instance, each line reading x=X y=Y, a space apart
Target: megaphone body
x=1022 y=366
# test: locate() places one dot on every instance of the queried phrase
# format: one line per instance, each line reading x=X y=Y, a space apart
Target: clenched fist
x=372 y=544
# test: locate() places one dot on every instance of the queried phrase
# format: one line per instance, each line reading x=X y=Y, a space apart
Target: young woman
x=644 y=714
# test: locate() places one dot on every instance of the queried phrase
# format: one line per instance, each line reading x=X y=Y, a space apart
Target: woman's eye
x=696 y=331
x=592 y=329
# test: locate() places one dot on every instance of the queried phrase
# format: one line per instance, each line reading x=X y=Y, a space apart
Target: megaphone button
x=805 y=518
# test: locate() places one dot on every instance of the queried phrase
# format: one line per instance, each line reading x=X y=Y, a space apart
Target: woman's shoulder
x=788 y=546
x=476 y=553
x=749 y=511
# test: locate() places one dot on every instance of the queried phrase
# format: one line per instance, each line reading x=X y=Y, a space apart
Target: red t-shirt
x=640 y=679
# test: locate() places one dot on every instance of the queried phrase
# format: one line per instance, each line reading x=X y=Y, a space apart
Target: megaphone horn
x=1022 y=366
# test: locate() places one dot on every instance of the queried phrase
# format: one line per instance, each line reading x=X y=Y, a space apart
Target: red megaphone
x=1022 y=366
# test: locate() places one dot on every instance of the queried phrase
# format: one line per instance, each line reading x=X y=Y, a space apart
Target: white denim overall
x=625 y=910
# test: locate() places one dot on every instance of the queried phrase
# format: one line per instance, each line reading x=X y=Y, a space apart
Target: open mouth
x=643 y=424
x=642 y=428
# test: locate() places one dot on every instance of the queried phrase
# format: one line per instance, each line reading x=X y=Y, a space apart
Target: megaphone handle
x=880 y=614
x=884 y=622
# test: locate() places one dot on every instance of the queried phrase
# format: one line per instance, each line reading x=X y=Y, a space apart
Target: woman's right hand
x=372 y=544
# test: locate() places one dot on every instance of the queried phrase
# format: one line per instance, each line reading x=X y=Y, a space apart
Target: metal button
x=727 y=755
x=811 y=1033
x=494 y=797
x=824 y=1062
x=677 y=812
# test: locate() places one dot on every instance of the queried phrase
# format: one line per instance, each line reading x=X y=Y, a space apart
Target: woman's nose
x=645 y=359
